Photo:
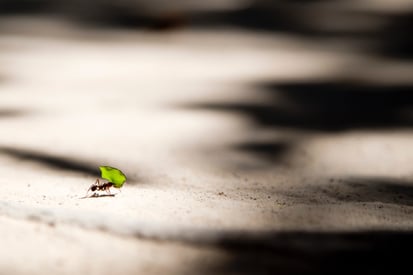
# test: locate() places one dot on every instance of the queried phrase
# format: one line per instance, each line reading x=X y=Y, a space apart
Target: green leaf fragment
x=113 y=175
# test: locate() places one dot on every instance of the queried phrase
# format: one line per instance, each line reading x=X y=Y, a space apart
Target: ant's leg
x=108 y=189
x=87 y=192
x=97 y=183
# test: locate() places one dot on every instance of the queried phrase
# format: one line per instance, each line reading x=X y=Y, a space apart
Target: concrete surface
x=73 y=99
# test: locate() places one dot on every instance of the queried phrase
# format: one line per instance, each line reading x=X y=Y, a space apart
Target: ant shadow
x=96 y=195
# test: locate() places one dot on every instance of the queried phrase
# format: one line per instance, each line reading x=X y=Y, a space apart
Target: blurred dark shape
x=24 y=6
x=303 y=252
x=255 y=17
x=386 y=33
x=395 y=39
x=157 y=22
x=293 y=17
x=327 y=106
x=312 y=252
x=129 y=14
x=154 y=14
x=53 y=162
x=269 y=151
x=6 y=113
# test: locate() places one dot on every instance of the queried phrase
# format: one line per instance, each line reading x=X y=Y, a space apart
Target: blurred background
x=279 y=133
x=282 y=66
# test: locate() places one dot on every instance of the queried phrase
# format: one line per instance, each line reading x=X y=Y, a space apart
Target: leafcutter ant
x=99 y=186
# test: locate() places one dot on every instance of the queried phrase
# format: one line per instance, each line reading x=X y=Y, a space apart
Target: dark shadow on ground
x=272 y=152
x=378 y=190
x=366 y=252
x=324 y=252
x=267 y=16
x=23 y=6
x=317 y=107
x=326 y=106
x=99 y=14
x=394 y=40
x=50 y=161
x=58 y=162
x=375 y=190
x=6 y=113
x=386 y=33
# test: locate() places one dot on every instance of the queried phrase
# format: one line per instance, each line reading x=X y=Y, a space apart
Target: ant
x=115 y=179
x=98 y=186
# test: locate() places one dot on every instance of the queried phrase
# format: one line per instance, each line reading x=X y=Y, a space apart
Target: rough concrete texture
x=208 y=176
